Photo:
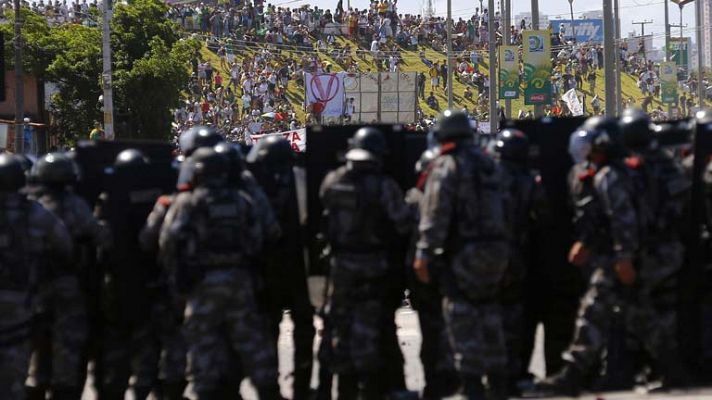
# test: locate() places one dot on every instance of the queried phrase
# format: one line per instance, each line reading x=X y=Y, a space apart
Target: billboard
x=537 y=67
x=508 y=72
x=668 y=82
x=679 y=48
x=587 y=30
x=387 y=97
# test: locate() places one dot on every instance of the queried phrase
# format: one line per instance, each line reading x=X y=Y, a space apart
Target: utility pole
x=667 y=45
x=700 y=49
x=449 y=54
x=619 y=64
x=19 y=84
x=106 y=75
x=667 y=30
x=493 y=114
x=609 y=57
x=573 y=30
x=642 y=36
x=507 y=17
x=538 y=110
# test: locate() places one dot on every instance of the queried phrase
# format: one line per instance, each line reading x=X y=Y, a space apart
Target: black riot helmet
x=197 y=137
x=597 y=135
x=130 y=158
x=272 y=150
x=367 y=144
x=426 y=159
x=233 y=153
x=209 y=168
x=453 y=126
x=55 y=170
x=512 y=145
x=12 y=175
x=636 y=129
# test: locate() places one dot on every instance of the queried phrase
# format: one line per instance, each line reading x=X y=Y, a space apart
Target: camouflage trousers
x=15 y=328
x=57 y=355
x=130 y=351
x=655 y=330
x=435 y=351
x=356 y=317
x=476 y=336
x=223 y=305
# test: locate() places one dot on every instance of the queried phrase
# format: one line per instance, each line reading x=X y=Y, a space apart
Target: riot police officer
x=173 y=362
x=31 y=241
x=130 y=278
x=462 y=221
x=211 y=234
x=441 y=379
x=523 y=204
x=615 y=212
x=272 y=163
x=364 y=210
x=60 y=364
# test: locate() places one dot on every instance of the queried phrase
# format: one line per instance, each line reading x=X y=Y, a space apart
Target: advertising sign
x=508 y=72
x=587 y=30
x=668 y=82
x=537 y=67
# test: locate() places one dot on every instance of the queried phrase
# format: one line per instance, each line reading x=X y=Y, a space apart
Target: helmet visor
x=579 y=146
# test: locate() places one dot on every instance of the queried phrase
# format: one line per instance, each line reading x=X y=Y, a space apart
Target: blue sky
x=631 y=10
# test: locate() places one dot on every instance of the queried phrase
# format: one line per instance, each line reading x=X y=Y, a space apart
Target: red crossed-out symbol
x=324 y=93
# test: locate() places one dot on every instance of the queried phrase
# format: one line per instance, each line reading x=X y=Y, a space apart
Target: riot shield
x=326 y=146
x=94 y=156
x=128 y=196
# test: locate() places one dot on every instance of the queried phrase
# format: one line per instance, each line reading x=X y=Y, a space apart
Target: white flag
x=572 y=101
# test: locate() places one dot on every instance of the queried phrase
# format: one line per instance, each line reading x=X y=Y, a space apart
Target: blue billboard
x=587 y=30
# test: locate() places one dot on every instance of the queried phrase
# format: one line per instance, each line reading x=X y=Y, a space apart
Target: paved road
x=409 y=336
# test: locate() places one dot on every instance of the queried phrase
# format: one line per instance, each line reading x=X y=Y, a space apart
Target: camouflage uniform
x=462 y=220
x=285 y=271
x=364 y=208
x=30 y=237
x=435 y=351
x=618 y=209
x=523 y=195
x=66 y=305
x=213 y=232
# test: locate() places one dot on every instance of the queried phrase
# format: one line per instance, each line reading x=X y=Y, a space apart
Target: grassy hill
x=412 y=62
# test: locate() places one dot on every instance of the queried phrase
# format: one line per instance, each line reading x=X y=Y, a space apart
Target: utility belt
x=358 y=249
x=458 y=245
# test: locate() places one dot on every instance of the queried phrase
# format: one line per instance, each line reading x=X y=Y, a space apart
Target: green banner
x=668 y=82
x=537 y=67
x=508 y=72
x=680 y=51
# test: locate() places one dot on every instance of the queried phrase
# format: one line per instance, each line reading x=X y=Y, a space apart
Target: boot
x=347 y=387
x=443 y=384
x=473 y=389
x=372 y=387
x=141 y=393
x=35 y=392
x=66 y=393
x=566 y=383
x=674 y=372
x=171 y=390
x=269 y=393
x=498 y=386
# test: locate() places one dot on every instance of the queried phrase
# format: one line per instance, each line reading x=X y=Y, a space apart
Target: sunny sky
x=631 y=10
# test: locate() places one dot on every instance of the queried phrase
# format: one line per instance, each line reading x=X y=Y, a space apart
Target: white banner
x=572 y=101
x=298 y=138
x=325 y=93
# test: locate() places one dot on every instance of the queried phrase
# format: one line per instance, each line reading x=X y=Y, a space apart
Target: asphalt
x=409 y=338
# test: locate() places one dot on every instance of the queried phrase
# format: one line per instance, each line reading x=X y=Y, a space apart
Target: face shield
x=579 y=146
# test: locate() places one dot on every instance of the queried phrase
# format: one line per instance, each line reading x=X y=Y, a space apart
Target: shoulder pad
x=634 y=162
x=448 y=147
x=165 y=201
